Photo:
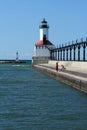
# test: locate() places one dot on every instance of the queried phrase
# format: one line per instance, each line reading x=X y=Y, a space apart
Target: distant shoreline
x=13 y=61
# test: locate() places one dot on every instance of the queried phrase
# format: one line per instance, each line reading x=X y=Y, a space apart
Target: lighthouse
x=44 y=29
x=43 y=46
x=17 y=58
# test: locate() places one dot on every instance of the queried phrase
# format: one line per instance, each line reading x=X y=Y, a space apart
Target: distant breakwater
x=76 y=83
x=12 y=61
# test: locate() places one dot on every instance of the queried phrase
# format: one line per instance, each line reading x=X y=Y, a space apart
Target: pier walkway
x=75 y=77
x=81 y=74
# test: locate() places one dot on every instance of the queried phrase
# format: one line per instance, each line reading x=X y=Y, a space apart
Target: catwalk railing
x=70 y=52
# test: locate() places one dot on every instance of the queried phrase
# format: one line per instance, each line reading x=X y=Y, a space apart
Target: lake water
x=30 y=100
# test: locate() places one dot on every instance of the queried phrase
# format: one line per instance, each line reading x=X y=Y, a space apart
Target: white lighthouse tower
x=43 y=46
x=44 y=29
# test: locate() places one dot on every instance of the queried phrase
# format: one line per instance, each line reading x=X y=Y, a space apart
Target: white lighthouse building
x=43 y=46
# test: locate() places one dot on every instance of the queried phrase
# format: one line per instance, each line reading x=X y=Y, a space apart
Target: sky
x=20 y=20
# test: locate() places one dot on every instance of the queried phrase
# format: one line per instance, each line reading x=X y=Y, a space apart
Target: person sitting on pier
x=62 y=67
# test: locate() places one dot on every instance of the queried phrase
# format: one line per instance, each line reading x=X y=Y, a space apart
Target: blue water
x=30 y=100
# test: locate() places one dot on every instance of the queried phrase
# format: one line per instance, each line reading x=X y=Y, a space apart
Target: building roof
x=42 y=42
x=44 y=24
x=44 y=21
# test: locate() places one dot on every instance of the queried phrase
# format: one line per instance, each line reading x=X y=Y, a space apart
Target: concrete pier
x=74 y=75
